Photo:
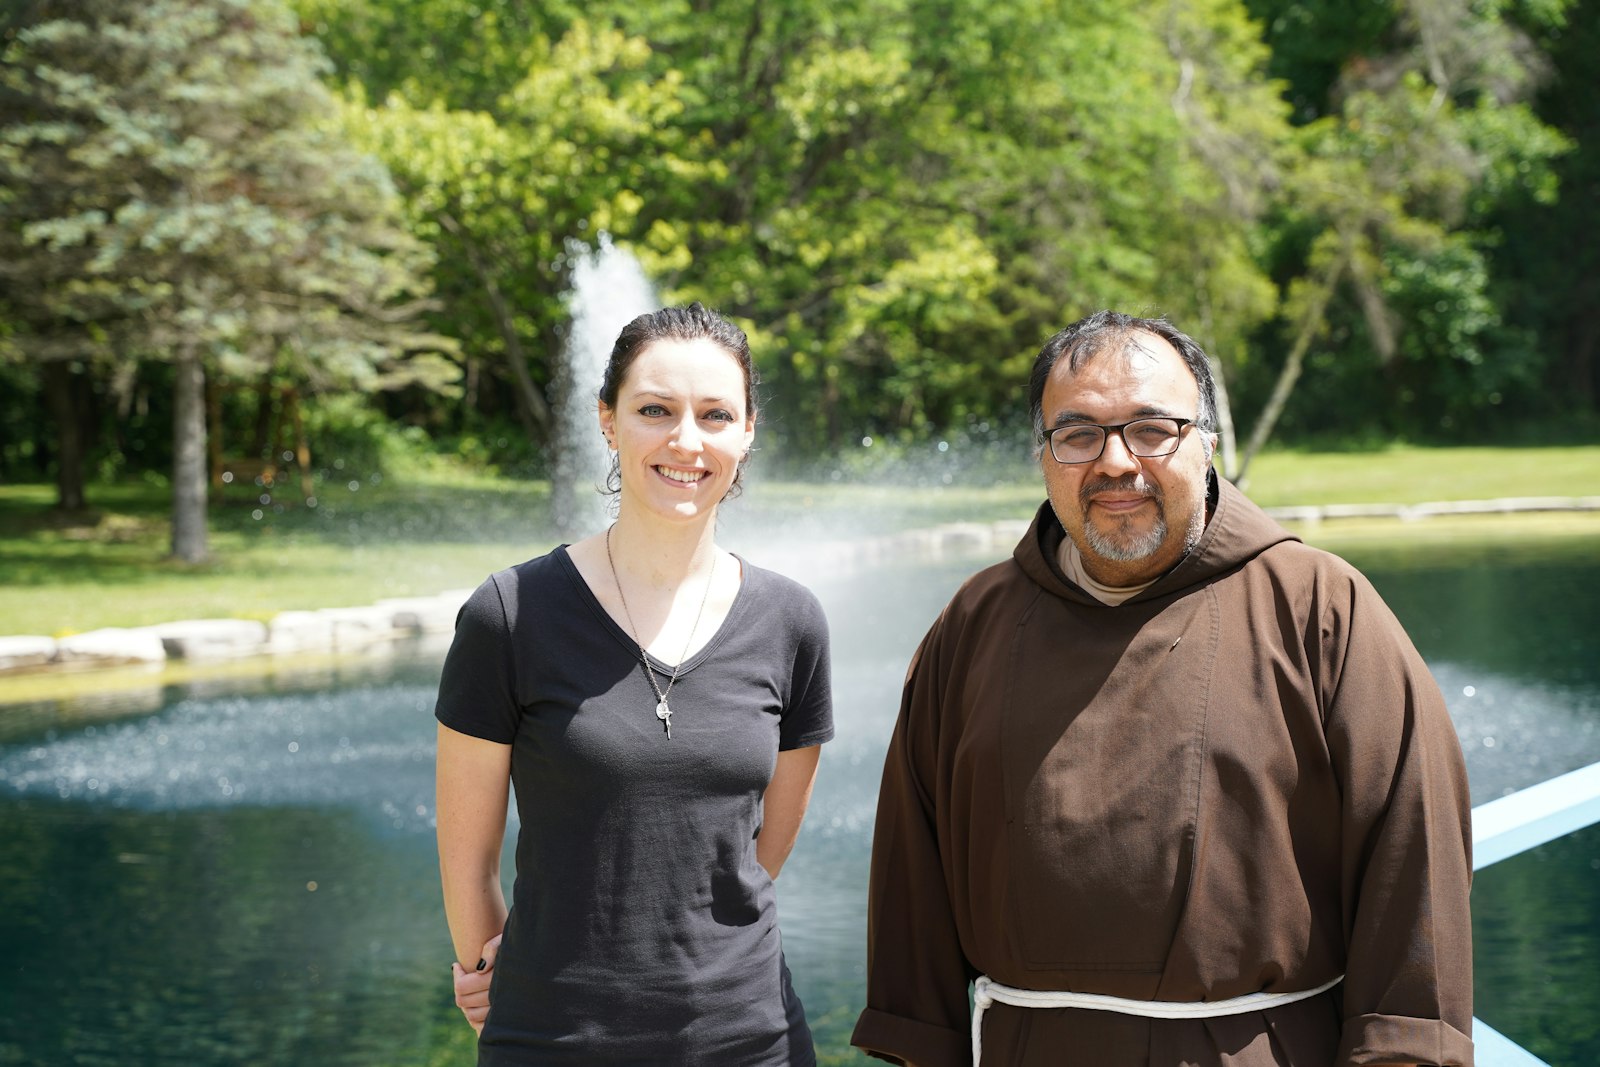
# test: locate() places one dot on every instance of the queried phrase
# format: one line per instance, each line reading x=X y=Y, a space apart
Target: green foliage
x=901 y=199
x=178 y=191
x=22 y=425
x=1313 y=43
x=501 y=192
x=1546 y=277
x=184 y=186
x=1383 y=238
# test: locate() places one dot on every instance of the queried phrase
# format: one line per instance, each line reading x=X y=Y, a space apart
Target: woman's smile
x=682 y=477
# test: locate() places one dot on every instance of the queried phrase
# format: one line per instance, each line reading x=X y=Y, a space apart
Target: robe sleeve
x=1406 y=842
x=917 y=973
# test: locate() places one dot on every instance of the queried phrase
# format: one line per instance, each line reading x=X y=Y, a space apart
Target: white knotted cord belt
x=986 y=991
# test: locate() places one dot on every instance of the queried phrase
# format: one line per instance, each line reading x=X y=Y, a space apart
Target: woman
x=658 y=704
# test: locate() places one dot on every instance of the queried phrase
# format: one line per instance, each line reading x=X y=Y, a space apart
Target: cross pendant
x=664 y=713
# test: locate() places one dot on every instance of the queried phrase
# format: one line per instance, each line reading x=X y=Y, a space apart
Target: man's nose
x=1115 y=458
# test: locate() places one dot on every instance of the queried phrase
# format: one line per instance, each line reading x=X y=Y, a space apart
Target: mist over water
x=355 y=748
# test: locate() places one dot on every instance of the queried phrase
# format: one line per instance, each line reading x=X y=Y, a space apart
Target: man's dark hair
x=1089 y=337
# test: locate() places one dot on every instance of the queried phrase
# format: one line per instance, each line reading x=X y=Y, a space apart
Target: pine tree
x=176 y=187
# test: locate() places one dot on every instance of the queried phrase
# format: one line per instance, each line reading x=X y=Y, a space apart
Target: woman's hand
x=472 y=987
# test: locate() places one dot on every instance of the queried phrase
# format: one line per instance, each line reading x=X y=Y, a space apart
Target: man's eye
x=1153 y=433
x=1081 y=438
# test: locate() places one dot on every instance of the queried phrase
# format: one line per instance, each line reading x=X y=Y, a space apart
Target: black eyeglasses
x=1082 y=442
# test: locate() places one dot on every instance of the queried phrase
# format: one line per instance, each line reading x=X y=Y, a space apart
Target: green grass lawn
x=66 y=574
x=1408 y=475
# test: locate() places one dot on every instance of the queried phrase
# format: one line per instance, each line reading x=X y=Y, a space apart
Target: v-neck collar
x=626 y=639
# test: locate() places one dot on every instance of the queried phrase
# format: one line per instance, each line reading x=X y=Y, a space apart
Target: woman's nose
x=688 y=436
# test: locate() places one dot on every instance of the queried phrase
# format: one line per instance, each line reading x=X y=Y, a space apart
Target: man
x=1165 y=755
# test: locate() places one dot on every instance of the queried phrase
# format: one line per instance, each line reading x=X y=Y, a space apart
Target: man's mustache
x=1129 y=484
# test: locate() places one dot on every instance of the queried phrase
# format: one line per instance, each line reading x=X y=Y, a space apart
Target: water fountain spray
x=609 y=290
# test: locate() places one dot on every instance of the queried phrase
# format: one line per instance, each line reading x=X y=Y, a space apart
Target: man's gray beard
x=1122 y=547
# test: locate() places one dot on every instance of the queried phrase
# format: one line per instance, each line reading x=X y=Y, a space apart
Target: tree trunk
x=189 y=459
x=1582 y=350
x=61 y=395
x=1227 y=443
x=1310 y=322
x=532 y=409
x=264 y=413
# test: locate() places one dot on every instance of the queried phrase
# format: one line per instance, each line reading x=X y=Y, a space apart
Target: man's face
x=1131 y=517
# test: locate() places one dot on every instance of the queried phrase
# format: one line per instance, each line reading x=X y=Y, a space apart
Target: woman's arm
x=783 y=807
x=472 y=788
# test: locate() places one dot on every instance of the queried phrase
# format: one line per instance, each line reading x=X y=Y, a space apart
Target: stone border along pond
x=340 y=631
x=329 y=630
x=357 y=629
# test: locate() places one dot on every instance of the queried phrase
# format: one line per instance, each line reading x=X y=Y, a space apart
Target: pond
x=247 y=876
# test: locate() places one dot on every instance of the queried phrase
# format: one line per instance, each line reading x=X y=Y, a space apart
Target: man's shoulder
x=1296 y=564
x=1296 y=555
x=991 y=588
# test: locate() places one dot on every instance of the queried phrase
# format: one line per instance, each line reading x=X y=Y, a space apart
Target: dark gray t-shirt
x=642 y=929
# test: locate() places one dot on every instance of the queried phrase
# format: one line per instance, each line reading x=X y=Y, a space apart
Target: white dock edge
x=1530 y=817
x=1491 y=1048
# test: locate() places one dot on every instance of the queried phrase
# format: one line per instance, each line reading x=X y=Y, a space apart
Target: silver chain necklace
x=663 y=712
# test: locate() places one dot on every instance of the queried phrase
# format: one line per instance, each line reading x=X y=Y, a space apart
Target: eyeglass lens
x=1145 y=438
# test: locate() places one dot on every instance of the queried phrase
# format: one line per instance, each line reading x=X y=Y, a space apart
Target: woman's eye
x=652 y=410
x=719 y=415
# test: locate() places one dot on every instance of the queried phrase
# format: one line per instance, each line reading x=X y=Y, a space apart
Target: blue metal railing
x=1511 y=825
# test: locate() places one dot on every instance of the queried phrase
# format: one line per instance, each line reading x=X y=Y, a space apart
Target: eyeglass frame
x=1107 y=429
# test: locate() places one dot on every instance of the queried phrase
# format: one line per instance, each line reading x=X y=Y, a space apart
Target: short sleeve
x=477 y=688
x=808 y=716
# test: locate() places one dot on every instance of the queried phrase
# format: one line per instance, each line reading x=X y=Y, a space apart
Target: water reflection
x=355 y=747
x=249 y=877
x=1536 y=924
x=218 y=936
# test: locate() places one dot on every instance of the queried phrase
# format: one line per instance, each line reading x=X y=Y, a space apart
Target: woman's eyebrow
x=639 y=394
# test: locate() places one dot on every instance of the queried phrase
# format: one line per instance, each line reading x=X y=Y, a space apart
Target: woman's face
x=680 y=427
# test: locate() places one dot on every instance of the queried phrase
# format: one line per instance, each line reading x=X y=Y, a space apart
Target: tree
x=1383 y=220
x=910 y=197
x=1547 y=283
x=900 y=199
x=499 y=193
x=179 y=190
